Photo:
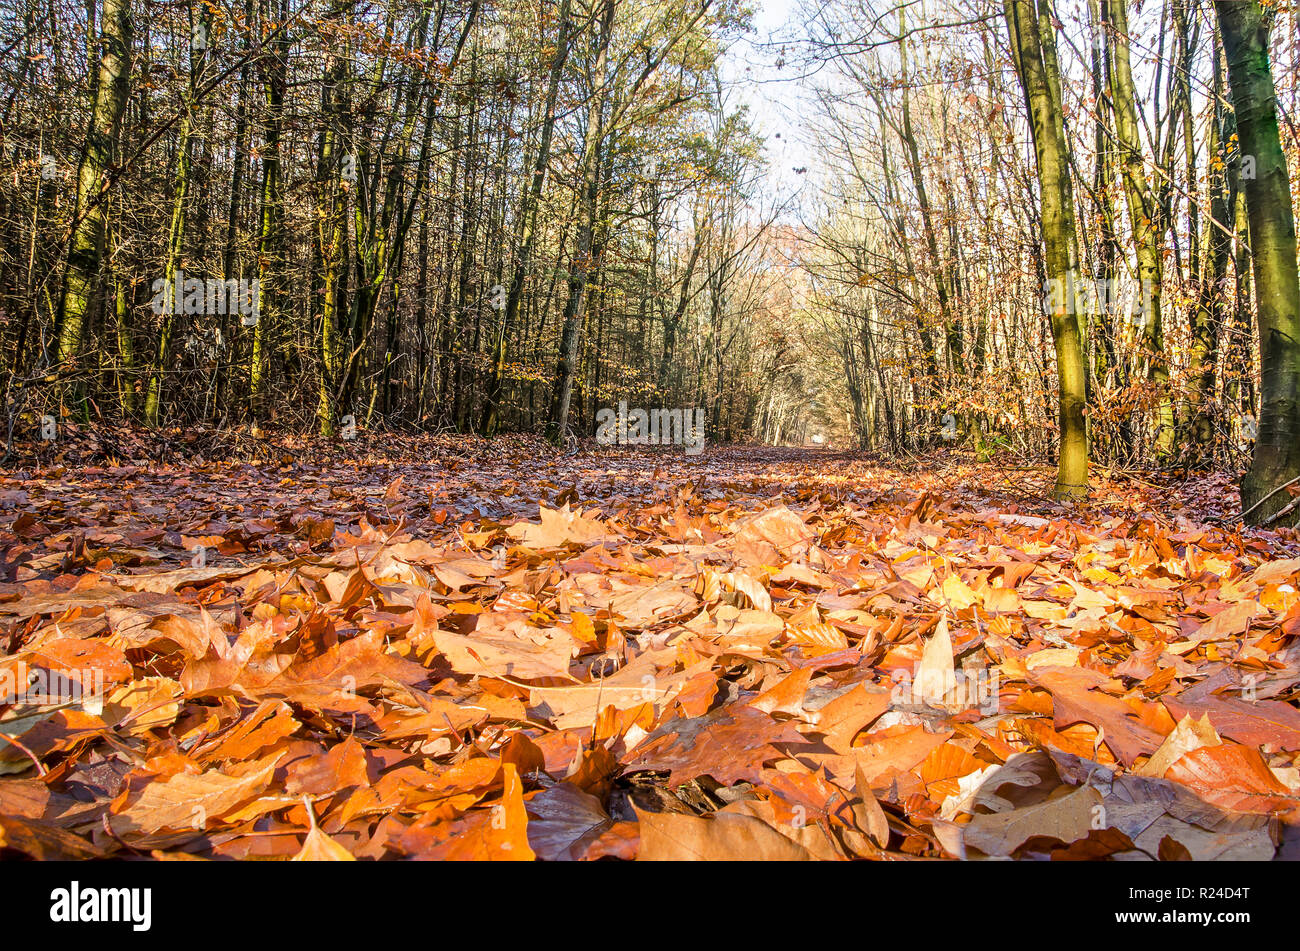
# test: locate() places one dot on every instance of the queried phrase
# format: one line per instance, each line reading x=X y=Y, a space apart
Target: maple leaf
x=559 y=527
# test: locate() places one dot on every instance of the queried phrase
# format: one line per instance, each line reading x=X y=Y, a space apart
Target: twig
x=1269 y=496
x=41 y=770
x=1283 y=512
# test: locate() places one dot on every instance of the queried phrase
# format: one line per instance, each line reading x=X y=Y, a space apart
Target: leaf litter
x=507 y=653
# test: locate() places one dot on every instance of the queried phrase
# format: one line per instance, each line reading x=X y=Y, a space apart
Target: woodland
x=650 y=429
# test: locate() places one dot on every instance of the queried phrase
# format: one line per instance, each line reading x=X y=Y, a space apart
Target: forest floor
x=447 y=647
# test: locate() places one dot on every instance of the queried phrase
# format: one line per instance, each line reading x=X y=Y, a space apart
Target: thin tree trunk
x=270 y=246
x=1144 y=218
x=176 y=233
x=1033 y=45
x=528 y=215
x=580 y=269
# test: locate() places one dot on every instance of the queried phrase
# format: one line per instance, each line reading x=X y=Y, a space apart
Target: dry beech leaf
x=186 y=800
x=721 y=837
x=318 y=847
x=847 y=715
x=787 y=695
x=1187 y=736
x=870 y=817
x=1067 y=818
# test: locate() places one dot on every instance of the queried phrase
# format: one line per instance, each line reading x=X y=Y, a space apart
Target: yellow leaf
x=318 y=847
x=583 y=629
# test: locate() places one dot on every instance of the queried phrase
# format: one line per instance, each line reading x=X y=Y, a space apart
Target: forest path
x=493 y=650
x=446 y=482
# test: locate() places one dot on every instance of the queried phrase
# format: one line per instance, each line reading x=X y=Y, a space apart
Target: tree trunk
x=1210 y=314
x=1245 y=29
x=580 y=268
x=270 y=247
x=89 y=220
x=176 y=233
x=528 y=215
x=1144 y=218
x=1033 y=45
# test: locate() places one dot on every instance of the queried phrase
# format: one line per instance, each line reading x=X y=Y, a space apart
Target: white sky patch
x=772 y=93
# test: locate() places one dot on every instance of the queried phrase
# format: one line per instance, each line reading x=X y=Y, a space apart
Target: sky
x=772 y=94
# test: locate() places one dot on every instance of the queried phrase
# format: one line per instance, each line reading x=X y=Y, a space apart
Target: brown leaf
x=185 y=801
x=558 y=528
x=773 y=537
x=498 y=833
x=499 y=652
x=1066 y=818
x=564 y=823
x=843 y=718
x=731 y=744
x=42 y=841
x=868 y=815
x=786 y=696
x=318 y=847
x=1187 y=736
x=1127 y=736
x=722 y=837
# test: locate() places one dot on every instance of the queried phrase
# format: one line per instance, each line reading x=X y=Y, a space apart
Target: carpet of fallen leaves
x=456 y=649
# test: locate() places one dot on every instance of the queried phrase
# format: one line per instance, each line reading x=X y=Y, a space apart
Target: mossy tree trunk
x=89 y=220
x=1245 y=25
x=1033 y=46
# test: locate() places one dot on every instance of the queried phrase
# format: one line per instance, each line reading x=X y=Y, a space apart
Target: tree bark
x=176 y=233
x=528 y=215
x=1145 y=221
x=581 y=265
x=1033 y=45
x=1245 y=29
x=89 y=220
